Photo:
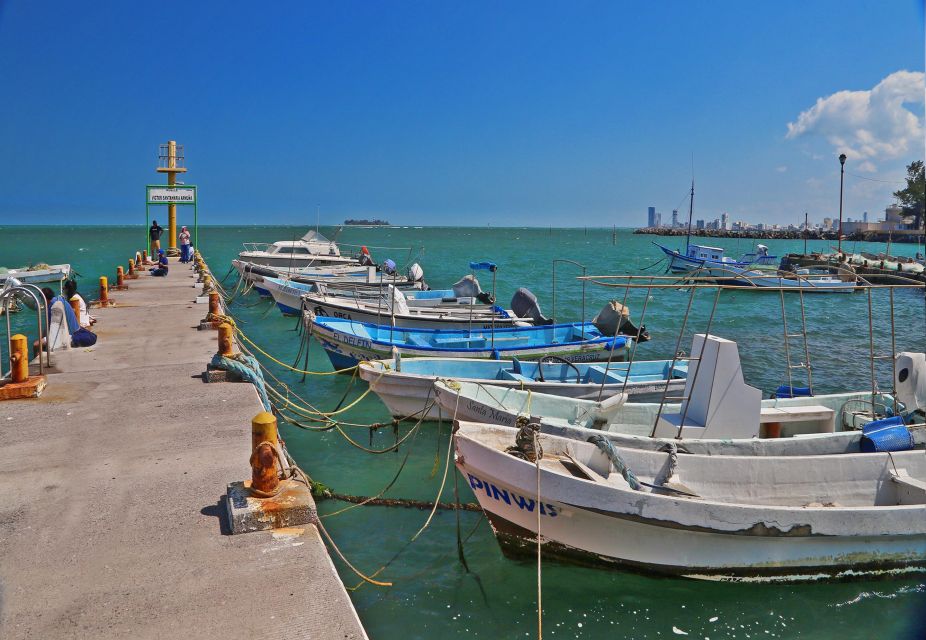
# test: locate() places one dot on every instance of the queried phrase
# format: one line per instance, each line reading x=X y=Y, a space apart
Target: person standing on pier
x=154 y=233
x=184 y=238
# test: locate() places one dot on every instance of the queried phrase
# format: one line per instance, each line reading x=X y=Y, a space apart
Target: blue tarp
x=483 y=266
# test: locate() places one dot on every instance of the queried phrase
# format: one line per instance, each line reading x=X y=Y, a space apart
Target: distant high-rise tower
x=651 y=217
x=865 y=216
x=674 y=218
x=724 y=221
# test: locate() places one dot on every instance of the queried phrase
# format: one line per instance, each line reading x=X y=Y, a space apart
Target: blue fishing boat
x=698 y=256
x=405 y=385
x=349 y=342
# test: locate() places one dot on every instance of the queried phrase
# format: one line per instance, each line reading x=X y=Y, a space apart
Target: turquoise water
x=432 y=593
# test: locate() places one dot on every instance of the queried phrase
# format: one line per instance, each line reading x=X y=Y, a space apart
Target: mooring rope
x=248 y=369
x=608 y=449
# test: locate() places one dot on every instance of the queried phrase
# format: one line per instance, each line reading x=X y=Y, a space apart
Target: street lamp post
x=842 y=173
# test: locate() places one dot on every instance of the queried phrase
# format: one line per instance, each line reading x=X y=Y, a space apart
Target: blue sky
x=533 y=113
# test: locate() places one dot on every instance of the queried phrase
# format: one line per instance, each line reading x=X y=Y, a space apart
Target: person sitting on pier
x=70 y=293
x=162 y=267
x=64 y=329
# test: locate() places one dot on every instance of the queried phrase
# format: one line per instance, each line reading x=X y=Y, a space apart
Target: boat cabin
x=702 y=252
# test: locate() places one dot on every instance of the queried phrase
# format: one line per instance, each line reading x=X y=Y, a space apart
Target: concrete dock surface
x=112 y=522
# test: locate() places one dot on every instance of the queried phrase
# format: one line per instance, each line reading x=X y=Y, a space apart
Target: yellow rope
x=286 y=366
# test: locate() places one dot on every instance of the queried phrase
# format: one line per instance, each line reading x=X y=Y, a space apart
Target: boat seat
x=598 y=374
x=508 y=374
x=909 y=490
x=417 y=341
x=805 y=413
x=461 y=343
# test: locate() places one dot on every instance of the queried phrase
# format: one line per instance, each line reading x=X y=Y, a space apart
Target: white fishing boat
x=289 y=295
x=710 y=517
x=311 y=250
x=805 y=280
x=725 y=416
x=406 y=385
x=37 y=274
x=399 y=309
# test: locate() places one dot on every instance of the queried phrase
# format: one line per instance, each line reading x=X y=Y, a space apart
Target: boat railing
x=256 y=246
x=694 y=280
x=7 y=296
x=648 y=283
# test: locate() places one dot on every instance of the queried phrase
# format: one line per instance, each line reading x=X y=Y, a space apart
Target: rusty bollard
x=214 y=308
x=120 y=276
x=144 y=256
x=104 y=291
x=226 y=344
x=131 y=268
x=264 y=443
x=138 y=260
x=19 y=359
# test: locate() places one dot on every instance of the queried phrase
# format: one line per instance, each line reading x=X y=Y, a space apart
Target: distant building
x=700 y=224
x=864 y=216
x=651 y=220
x=724 y=221
x=827 y=223
x=674 y=218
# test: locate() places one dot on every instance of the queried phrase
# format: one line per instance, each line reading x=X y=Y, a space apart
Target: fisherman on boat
x=366 y=260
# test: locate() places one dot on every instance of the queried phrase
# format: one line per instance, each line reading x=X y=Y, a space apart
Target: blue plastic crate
x=887 y=434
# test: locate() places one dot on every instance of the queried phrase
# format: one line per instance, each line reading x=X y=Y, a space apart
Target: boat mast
x=690 y=212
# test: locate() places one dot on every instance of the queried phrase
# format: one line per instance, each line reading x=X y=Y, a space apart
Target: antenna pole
x=806 y=232
x=690 y=212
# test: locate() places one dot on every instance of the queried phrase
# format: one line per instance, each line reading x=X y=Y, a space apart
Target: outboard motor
x=911 y=380
x=614 y=319
x=466 y=287
x=525 y=305
x=416 y=274
x=388 y=267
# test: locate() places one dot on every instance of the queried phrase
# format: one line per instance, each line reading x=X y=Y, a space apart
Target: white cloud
x=781 y=169
x=870 y=125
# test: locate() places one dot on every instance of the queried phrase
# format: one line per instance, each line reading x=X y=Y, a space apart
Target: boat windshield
x=314 y=236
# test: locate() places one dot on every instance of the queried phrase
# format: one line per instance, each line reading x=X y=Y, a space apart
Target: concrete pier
x=111 y=494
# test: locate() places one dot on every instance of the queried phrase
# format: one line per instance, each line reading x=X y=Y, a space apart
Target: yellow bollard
x=131 y=268
x=19 y=359
x=138 y=260
x=264 y=429
x=226 y=345
x=214 y=308
x=207 y=282
x=120 y=276
x=75 y=305
x=104 y=290
x=264 y=475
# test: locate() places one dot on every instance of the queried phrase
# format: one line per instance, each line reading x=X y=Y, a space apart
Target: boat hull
x=581 y=520
x=405 y=394
x=347 y=350
x=431 y=318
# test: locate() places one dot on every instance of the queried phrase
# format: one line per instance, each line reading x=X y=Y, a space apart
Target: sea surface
x=433 y=594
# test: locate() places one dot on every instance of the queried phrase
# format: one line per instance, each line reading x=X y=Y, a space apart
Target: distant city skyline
x=520 y=113
x=891 y=220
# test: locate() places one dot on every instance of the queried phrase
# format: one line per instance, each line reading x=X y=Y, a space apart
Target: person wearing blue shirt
x=163 y=266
